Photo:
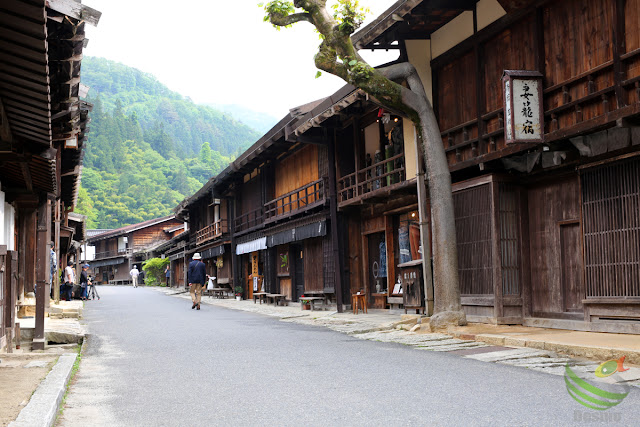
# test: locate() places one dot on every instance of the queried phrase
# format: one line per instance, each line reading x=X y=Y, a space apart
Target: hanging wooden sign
x=523 y=112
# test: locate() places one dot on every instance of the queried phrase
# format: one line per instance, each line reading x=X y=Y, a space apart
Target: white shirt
x=134 y=272
x=69 y=274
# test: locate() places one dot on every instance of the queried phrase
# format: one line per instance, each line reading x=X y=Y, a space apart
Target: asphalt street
x=152 y=361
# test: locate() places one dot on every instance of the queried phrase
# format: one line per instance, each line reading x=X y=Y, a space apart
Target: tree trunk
x=447 y=306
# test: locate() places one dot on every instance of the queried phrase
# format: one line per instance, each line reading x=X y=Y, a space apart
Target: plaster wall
x=372 y=140
x=419 y=53
x=456 y=31
x=9 y=227
x=488 y=11
x=410 y=154
x=461 y=28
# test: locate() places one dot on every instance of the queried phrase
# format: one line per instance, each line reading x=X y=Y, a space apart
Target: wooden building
x=263 y=223
x=117 y=251
x=42 y=133
x=538 y=104
x=547 y=226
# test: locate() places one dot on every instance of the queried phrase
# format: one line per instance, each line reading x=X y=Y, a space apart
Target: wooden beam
x=618 y=49
x=75 y=171
x=75 y=10
x=26 y=173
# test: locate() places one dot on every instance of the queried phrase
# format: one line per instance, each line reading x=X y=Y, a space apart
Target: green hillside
x=148 y=147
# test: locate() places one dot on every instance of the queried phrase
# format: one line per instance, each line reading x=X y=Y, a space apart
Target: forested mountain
x=148 y=147
x=259 y=121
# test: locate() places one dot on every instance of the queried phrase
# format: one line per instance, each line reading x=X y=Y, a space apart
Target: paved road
x=152 y=361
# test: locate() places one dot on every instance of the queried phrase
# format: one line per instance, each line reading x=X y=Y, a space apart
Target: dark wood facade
x=547 y=232
x=43 y=125
x=117 y=251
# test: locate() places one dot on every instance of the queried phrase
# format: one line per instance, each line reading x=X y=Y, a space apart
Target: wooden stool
x=359 y=302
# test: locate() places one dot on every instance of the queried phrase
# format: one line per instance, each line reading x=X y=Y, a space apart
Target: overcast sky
x=216 y=51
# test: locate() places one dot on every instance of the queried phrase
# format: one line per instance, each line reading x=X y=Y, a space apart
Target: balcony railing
x=211 y=232
x=111 y=254
x=298 y=200
x=370 y=180
x=249 y=220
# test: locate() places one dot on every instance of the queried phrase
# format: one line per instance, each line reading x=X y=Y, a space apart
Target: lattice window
x=611 y=221
x=329 y=270
x=509 y=239
x=473 y=233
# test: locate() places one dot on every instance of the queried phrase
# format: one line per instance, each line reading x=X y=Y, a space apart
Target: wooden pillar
x=235 y=261
x=618 y=50
x=56 y=245
x=425 y=230
x=497 y=258
x=335 y=236
x=42 y=270
x=10 y=287
x=26 y=249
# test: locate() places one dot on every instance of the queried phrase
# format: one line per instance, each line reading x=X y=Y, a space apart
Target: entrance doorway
x=377 y=268
x=298 y=259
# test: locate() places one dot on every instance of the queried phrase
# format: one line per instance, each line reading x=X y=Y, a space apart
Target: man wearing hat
x=197 y=276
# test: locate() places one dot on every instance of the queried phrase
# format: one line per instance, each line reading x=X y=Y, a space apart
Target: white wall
x=461 y=28
x=372 y=140
x=9 y=226
x=410 y=163
x=7 y=223
x=419 y=53
x=488 y=11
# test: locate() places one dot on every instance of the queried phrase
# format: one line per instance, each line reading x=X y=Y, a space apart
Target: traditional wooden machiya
x=118 y=251
x=538 y=105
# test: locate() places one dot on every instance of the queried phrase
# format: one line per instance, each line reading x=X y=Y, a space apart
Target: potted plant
x=304 y=303
x=238 y=290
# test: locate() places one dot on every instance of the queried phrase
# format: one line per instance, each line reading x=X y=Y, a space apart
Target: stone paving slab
x=516 y=353
x=452 y=347
x=479 y=350
x=449 y=342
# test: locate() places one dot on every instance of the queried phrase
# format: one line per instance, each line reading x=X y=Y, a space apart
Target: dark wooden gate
x=611 y=206
x=557 y=287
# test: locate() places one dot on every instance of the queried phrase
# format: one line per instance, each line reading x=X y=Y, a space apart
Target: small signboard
x=523 y=107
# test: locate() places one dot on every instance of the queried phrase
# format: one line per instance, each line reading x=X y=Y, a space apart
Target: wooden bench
x=312 y=301
x=260 y=296
x=277 y=299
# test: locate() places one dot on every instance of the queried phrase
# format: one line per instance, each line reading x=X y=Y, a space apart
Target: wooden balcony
x=249 y=220
x=373 y=181
x=296 y=201
x=212 y=232
x=113 y=254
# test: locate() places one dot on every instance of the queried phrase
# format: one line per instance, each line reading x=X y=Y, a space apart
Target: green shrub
x=154 y=271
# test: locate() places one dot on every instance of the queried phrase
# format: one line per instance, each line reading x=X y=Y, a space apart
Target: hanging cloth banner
x=252 y=246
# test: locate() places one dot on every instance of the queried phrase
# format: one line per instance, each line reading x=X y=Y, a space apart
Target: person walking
x=84 y=282
x=167 y=274
x=134 y=273
x=196 y=276
x=69 y=280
